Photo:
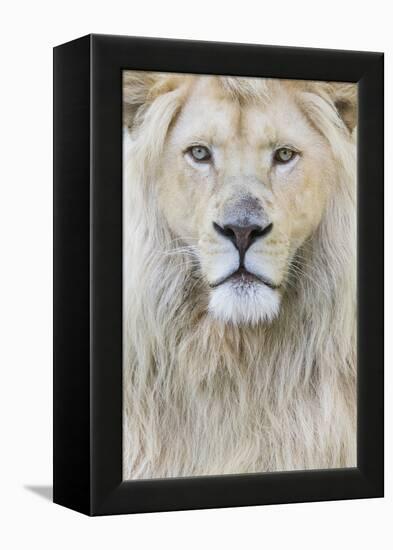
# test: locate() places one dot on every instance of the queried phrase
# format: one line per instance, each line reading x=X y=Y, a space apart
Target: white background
x=29 y=30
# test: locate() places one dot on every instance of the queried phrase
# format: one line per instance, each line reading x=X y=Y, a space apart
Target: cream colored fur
x=258 y=391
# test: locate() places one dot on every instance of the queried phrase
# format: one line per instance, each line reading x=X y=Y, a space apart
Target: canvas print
x=239 y=275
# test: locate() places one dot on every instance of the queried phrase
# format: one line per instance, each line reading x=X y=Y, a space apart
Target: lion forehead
x=267 y=113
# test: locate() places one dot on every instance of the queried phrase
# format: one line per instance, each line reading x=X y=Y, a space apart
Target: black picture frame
x=88 y=275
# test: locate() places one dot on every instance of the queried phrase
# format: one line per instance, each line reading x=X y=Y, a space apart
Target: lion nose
x=243 y=236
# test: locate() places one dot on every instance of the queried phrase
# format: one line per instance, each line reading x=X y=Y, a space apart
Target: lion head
x=243 y=171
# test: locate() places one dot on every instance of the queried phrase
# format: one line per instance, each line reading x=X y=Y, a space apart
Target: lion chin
x=244 y=303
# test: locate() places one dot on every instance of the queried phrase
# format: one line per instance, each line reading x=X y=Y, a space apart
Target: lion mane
x=203 y=397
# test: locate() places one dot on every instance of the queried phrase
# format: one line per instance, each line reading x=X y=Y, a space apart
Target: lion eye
x=200 y=153
x=284 y=154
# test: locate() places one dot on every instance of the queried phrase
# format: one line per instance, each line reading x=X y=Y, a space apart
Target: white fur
x=244 y=304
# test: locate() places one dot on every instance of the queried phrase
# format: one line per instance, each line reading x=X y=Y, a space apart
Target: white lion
x=240 y=275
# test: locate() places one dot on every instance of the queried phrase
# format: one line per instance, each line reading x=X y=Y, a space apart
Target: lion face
x=244 y=184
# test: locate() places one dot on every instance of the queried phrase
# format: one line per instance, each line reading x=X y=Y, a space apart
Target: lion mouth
x=244 y=277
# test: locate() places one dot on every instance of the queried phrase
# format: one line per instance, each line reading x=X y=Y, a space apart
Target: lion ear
x=345 y=100
x=142 y=88
x=136 y=89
